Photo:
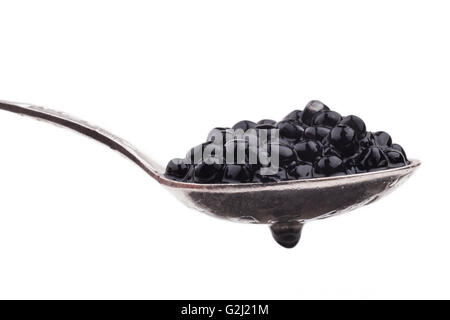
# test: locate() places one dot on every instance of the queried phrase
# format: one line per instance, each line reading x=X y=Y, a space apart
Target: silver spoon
x=285 y=206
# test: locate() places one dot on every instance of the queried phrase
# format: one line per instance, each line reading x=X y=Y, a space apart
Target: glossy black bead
x=326 y=119
x=294 y=115
x=244 y=125
x=316 y=133
x=266 y=121
x=208 y=173
x=367 y=141
x=290 y=130
x=287 y=142
x=382 y=139
x=287 y=154
x=329 y=150
x=304 y=171
x=313 y=143
x=395 y=158
x=308 y=150
x=329 y=166
x=344 y=139
x=311 y=109
x=400 y=149
x=265 y=126
x=372 y=158
x=356 y=123
x=177 y=169
x=235 y=173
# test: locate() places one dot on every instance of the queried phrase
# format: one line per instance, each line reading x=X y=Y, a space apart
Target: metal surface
x=285 y=206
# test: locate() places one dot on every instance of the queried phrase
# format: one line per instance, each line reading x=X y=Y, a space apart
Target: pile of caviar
x=313 y=143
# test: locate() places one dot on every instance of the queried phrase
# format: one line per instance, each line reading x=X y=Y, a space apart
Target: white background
x=79 y=221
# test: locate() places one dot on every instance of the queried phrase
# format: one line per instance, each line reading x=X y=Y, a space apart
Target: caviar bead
x=308 y=150
x=289 y=129
x=395 y=158
x=235 y=173
x=287 y=154
x=372 y=158
x=208 y=173
x=311 y=109
x=382 y=139
x=244 y=125
x=367 y=140
x=316 y=133
x=266 y=121
x=356 y=123
x=326 y=119
x=344 y=139
x=400 y=149
x=329 y=166
x=177 y=169
x=304 y=171
x=315 y=142
x=294 y=115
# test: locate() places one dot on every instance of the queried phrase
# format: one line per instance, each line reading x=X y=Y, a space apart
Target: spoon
x=286 y=206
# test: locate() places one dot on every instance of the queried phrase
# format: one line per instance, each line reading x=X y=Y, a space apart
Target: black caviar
x=311 y=143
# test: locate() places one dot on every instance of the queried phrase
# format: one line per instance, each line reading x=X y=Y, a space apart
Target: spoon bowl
x=285 y=206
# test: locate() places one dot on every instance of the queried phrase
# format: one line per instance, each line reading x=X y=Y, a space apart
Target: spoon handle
x=94 y=132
